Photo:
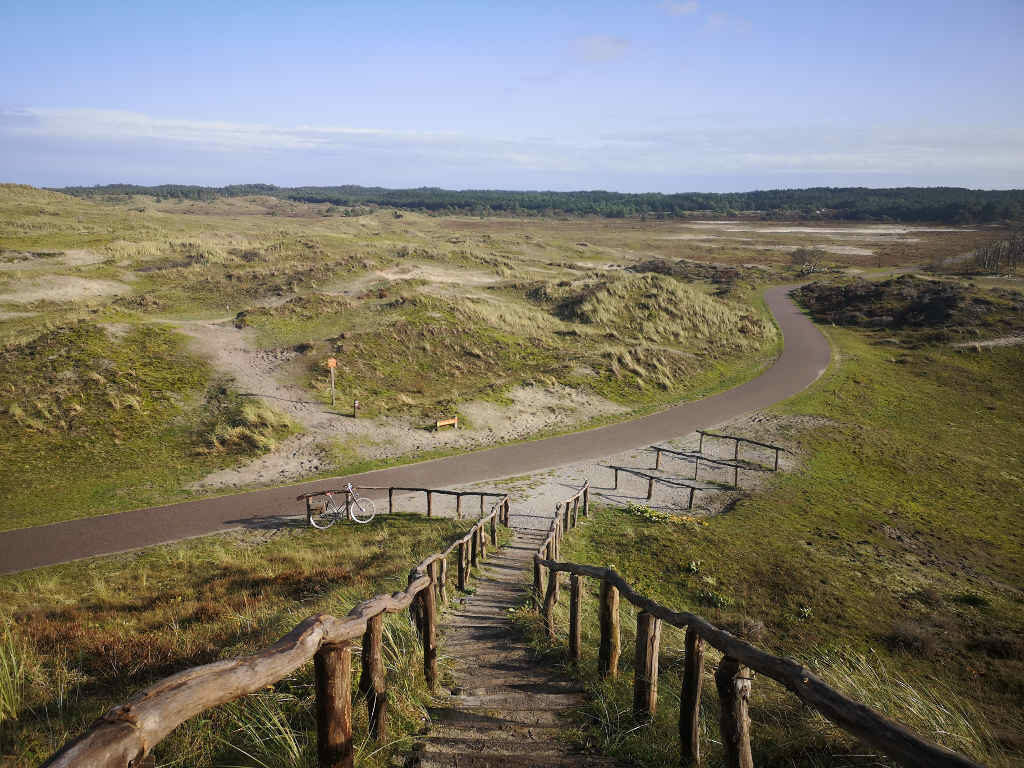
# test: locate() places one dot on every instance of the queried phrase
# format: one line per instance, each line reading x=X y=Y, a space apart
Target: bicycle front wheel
x=325 y=516
x=362 y=510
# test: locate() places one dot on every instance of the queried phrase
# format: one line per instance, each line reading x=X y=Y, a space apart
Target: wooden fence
x=736 y=445
x=125 y=735
x=392 y=489
x=733 y=678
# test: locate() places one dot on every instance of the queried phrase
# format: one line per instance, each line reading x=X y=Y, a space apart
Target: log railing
x=733 y=678
x=736 y=445
x=392 y=489
x=126 y=734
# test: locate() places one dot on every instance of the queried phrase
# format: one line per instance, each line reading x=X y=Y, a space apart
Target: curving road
x=805 y=356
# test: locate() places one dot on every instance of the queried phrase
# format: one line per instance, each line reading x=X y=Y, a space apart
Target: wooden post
x=550 y=598
x=507 y=512
x=776 y=460
x=494 y=530
x=474 y=548
x=645 y=679
x=565 y=516
x=426 y=598
x=736 y=451
x=483 y=540
x=442 y=587
x=690 y=505
x=616 y=470
x=430 y=503
x=391 y=500
x=372 y=678
x=481 y=505
x=608 y=652
x=657 y=459
x=538 y=577
x=586 y=501
x=575 y=511
x=462 y=566
x=458 y=506
x=689 y=699
x=650 y=488
x=701 y=448
x=415 y=607
x=575 y=622
x=733 y=683
x=696 y=466
x=332 y=669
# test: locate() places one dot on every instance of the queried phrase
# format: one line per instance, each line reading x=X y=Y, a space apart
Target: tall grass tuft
x=924 y=705
x=261 y=732
x=12 y=674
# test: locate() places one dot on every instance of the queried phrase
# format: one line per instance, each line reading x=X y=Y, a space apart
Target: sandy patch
x=260 y=373
x=435 y=274
x=867 y=230
x=1002 y=341
x=16 y=315
x=62 y=288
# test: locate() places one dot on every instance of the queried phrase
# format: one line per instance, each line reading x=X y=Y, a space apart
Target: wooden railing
x=736 y=445
x=733 y=678
x=126 y=734
x=392 y=489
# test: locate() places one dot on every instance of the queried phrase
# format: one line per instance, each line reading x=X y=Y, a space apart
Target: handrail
x=888 y=736
x=459 y=495
x=125 y=734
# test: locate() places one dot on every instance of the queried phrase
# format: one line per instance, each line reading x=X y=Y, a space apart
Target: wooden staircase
x=504 y=709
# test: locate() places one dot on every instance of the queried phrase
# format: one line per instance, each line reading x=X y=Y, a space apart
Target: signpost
x=332 y=363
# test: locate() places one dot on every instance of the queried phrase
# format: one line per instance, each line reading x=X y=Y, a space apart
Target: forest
x=947 y=205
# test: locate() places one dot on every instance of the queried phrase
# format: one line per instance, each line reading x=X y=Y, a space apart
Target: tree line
x=947 y=205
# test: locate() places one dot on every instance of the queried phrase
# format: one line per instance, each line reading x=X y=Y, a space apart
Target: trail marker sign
x=332 y=363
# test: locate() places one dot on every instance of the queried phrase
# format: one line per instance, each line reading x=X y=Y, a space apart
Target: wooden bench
x=452 y=422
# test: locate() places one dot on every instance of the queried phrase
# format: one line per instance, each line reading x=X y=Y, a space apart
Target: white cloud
x=712 y=145
x=600 y=48
x=685 y=8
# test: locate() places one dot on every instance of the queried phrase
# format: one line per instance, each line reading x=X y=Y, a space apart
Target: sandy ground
x=1002 y=341
x=62 y=288
x=259 y=373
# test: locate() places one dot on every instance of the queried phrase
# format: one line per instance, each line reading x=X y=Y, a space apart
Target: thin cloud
x=685 y=8
x=599 y=49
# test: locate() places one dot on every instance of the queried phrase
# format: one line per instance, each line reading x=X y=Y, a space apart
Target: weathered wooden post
x=733 y=680
x=332 y=669
x=736 y=450
x=372 y=678
x=657 y=459
x=575 y=621
x=650 y=488
x=462 y=567
x=616 y=469
x=494 y=529
x=690 y=505
x=645 y=679
x=608 y=651
x=736 y=473
x=701 y=448
x=483 y=540
x=575 y=511
x=458 y=506
x=426 y=598
x=538 y=577
x=550 y=598
x=565 y=515
x=391 y=500
x=442 y=586
x=696 y=466
x=689 y=699
x=508 y=506
x=481 y=505
x=430 y=503
x=776 y=460
x=586 y=501
x=415 y=607
x=474 y=536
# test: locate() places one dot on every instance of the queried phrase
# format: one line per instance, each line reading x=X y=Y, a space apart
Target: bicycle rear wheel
x=362 y=510
x=326 y=515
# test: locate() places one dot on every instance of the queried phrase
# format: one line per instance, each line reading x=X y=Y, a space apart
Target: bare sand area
x=62 y=288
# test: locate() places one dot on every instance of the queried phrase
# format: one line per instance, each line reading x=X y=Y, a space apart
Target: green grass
x=92 y=423
x=86 y=635
x=897 y=540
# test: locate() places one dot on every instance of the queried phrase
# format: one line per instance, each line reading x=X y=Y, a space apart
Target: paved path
x=805 y=356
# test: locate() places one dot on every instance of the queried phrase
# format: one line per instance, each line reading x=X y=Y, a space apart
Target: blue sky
x=673 y=95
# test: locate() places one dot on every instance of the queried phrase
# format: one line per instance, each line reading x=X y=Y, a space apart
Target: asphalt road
x=805 y=356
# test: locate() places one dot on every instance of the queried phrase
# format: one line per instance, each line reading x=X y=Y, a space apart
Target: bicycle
x=357 y=508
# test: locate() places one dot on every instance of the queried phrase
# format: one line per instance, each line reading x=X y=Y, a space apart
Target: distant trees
x=948 y=205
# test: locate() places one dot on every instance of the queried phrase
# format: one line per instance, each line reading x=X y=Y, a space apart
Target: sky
x=662 y=96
